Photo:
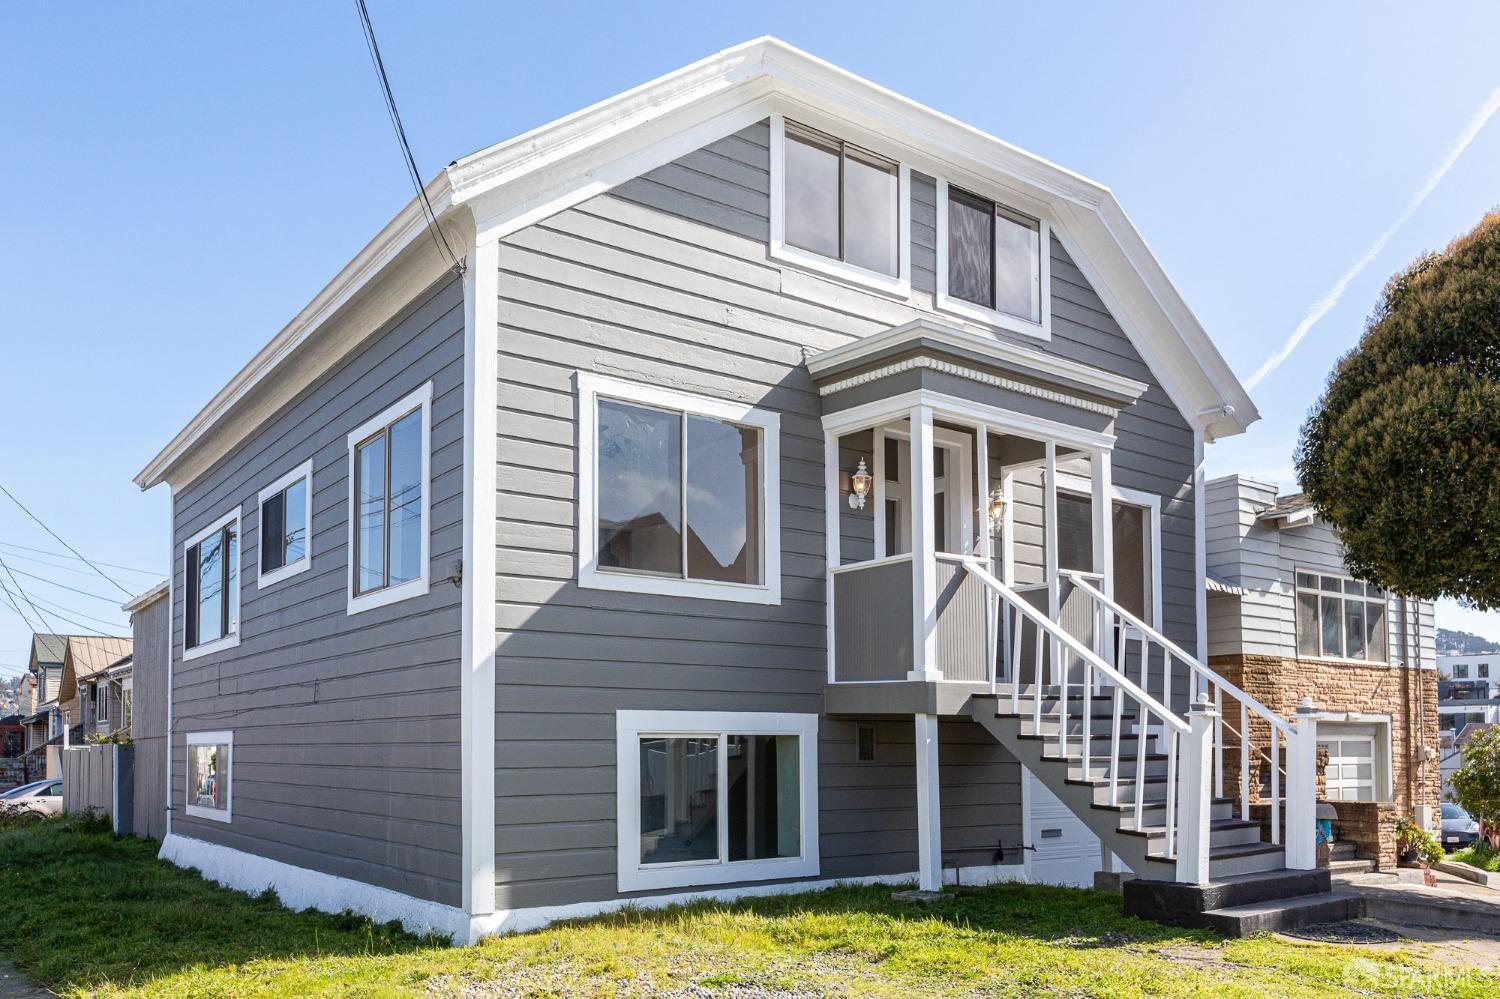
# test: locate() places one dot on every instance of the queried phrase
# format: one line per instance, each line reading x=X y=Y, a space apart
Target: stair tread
x=1226 y=852
x=1213 y=824
x=1283 y=904
x=1129 y=806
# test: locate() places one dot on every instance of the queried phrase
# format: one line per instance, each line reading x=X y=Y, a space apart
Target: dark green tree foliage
x=1402 y=452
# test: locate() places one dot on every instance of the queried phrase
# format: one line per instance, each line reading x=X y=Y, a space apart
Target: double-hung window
x=285 y=526
x=212 y=606
x=714 y=797
x=839 y=208
x=207 y=794
x=992 y=263
x=389 y=503
x=678 y=495
x=1340 y=618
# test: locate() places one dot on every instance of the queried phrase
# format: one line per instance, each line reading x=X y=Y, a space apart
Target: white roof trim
x=152 y=595
x=510 y=185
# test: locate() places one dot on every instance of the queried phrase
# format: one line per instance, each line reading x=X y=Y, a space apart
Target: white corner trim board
x=303 y=888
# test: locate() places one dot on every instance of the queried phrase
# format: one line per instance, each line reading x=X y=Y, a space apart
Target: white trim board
x=589 y=389
x=514 y=183
x=303 y=888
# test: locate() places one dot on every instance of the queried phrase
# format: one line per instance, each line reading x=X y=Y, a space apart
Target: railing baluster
x=1218 y=741
x=993 y=624
x=1166 y=677
x=1172 y=794
x=1088 y=719
x=1014 y=661
x=1036 y=683
x=1062 y=699
x=1275 y=788
x=1140 y=762
x=1114 y=753
x=1244 y=761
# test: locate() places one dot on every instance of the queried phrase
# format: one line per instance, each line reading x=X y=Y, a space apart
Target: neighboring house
x=44 y=719
x=87 y=695
x=1451 y=750
x=106 y=699
x=1288 y=621
x=146 y=709
x=659 y=552
x=1467 y=690
x=12 y=736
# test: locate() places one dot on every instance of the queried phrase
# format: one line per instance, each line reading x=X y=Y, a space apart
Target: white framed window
x=207 y=793
x=677 y=494
x=101 y=703
x=840 y=209
x=1460 y=671
x=1135 y=531
x=211 y=558
x=126 y=715
x=285 y=526
x=993 y=264
x=713 y=797
x=1340 y=618
x=390 y=472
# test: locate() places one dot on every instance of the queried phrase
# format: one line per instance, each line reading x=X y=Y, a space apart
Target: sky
x=183 y=178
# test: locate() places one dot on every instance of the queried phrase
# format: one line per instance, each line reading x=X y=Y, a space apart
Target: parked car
x=1459 y=827
x=39 y=798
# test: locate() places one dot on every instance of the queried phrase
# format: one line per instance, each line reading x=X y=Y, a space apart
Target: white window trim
x=590 y=388
x=100 y=697
x=302 y=472
x=211 y=739
x=232 y=639
x=420 y=399
x=630 y=726
x=1072 y=483
x=977 y=313
x=1389 y=659
x=898 y=285
x=127 y=712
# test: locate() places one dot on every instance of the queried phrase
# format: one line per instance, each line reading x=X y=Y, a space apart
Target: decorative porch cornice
x=972 y=374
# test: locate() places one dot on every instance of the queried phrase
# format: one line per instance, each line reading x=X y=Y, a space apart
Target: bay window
x=1340 y=618
x=678 y=495
x=714 y=797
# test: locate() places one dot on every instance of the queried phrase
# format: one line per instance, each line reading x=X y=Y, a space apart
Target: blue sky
x=183 y=178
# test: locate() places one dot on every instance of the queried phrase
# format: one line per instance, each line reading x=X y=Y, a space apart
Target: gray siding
x=148 y=716
x=345 y=727
x=667 y=281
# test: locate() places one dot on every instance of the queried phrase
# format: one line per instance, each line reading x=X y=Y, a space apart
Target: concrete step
x=1342 y=851
x=1353 y=866
x=1284 y=914
x=1178 y=904
x=1228 y=861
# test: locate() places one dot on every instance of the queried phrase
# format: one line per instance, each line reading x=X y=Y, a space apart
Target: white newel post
x=1302 y=791
x=1194 y=773
x=929 y=810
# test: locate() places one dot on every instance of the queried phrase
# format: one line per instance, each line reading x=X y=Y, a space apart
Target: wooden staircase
x=1149 y=781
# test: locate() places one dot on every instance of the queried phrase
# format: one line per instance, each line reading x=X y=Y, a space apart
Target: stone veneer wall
x=1371 y=827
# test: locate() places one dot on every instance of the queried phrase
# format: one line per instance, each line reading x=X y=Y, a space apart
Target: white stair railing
x=1186 y=803
x=1206 y=685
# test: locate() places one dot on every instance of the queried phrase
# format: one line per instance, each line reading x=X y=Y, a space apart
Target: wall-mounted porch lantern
x=997 y=507
x=859 y=486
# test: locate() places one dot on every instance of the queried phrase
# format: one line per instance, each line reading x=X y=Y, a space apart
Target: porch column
x=929 y=812
x=1049 y=554
x=1104 y=545
x=923 y=551
x=831 y=537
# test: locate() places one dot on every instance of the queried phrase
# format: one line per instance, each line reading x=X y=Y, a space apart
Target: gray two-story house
x=781 y=483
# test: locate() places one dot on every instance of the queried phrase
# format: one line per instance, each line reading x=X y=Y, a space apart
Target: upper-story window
x=1460 y=671
x=285 y=519
x=1340 y=617
x=212 y=605
x=678 y=494
x=839 y=208
x=1484 y=671
x=389 y=502
x=992 y=262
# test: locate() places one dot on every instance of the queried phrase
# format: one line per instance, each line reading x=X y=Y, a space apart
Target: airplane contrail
x=1330 y=298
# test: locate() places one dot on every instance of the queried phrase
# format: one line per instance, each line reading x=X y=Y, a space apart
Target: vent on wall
x=864 y=744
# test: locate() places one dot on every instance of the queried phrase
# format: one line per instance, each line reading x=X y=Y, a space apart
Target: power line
x=37 y=610
x=75 y=558
x=69 y=610
x=439 y=240
x=59 y=567
x=16 y=607
x=53 y=582
x=44 y=616
x=60 y=541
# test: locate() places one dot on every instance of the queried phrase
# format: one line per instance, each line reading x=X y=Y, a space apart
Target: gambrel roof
x=498 y=190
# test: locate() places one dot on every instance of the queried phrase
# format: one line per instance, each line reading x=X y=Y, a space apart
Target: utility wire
x=60 y=567
x=35 y=609
x=439 y=240
x=49 y=582
x=43 y=616
x=60 y=541
x=75 y=558
x=15 y=607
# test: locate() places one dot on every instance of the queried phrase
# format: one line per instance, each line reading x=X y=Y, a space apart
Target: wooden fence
x=100 y=778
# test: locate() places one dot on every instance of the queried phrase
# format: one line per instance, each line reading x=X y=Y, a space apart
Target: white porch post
x=929 y=811
x=1049 y=556
x=923 y=551
x=1301 y=840
x=1194 y=770
x=832 y=541
x=1104 y=544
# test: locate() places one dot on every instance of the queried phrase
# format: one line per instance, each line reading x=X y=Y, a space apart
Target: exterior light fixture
x=859 y=486
x=997 y=506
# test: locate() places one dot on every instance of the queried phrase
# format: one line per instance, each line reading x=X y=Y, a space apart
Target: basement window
x=207 y=795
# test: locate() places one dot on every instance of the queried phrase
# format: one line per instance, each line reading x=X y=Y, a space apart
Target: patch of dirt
x=1202 y=958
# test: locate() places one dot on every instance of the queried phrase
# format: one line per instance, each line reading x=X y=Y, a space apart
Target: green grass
x=88 y=914
x=1478 y=855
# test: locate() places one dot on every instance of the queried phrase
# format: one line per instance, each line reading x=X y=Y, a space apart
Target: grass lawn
x=88 y=914
x=1478 y=855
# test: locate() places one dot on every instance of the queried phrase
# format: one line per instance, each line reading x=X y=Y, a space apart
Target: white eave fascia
x=1001 y=352
x=152 y=595
x=409 y=224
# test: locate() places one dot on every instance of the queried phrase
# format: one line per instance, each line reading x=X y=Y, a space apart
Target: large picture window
x=839 y=208
x=1341 y=618
x=212 y=598
x=207 y=794
x=992 y=262
x=388 y=473
x=713 y=797
x=285 y=526
x=678 y=495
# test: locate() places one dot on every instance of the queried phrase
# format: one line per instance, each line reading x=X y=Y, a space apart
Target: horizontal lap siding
x=346 y=731
x=667 y=281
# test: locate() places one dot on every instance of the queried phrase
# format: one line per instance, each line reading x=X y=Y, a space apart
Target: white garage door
x=1066 y=853
x=1351 y=768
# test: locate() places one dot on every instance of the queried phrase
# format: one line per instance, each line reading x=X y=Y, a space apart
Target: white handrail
x=1076 y=647
x=1172 y=647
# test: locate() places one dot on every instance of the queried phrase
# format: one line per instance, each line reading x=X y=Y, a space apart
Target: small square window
x=207 y=792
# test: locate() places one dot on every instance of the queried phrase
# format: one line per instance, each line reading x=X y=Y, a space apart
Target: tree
x=1476 y=784
x=1402 y=452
